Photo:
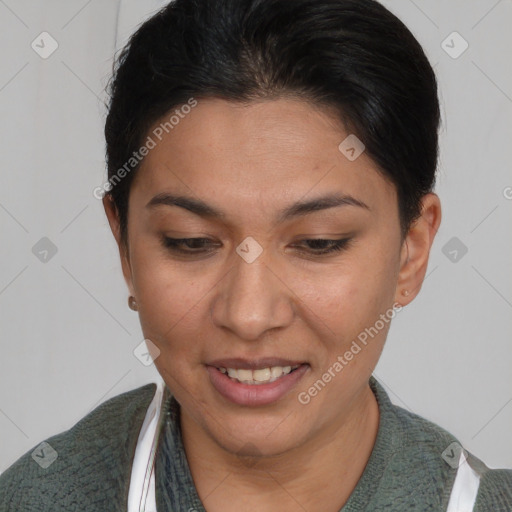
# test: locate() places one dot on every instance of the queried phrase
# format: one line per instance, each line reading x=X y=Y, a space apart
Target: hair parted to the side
x=353 y=56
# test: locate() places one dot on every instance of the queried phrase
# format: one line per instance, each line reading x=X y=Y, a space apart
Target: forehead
x=258 y=155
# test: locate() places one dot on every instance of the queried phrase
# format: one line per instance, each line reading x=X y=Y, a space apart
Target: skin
x=251 y=161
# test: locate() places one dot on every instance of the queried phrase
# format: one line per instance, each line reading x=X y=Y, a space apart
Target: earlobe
x=416 y=250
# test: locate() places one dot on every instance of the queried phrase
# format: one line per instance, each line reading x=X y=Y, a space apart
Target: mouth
x=252 y=383
x=259 y=376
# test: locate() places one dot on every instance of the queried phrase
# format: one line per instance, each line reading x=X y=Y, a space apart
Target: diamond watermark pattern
x=452 y=455
x=248 y=461
x=249 y=249
x=44 y=455
x=351 y=147
x=44 y=250
x=146 y=352
x=44 y=45
x=454 y=249
x=454 y=45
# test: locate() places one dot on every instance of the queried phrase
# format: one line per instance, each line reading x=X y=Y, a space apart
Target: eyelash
x=173 y=245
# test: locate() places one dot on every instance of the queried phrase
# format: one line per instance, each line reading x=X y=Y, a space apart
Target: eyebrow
x=297 y=209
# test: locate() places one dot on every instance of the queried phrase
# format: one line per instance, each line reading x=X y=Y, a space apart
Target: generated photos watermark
x=304 y=397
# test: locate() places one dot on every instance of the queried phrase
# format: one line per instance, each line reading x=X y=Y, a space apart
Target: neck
x=320 y=474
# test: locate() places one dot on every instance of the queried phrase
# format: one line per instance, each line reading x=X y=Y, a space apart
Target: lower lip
x=254 y=394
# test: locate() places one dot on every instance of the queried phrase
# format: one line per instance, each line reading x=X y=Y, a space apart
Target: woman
x=271 y=171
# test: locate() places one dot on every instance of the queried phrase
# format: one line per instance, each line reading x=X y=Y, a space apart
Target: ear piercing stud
x=132 y=303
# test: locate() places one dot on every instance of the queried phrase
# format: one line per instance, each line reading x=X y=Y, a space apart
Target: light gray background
x=67 y=333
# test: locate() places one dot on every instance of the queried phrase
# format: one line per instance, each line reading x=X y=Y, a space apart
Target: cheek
x=170 y=316
x=170 y=299
x=350 y=297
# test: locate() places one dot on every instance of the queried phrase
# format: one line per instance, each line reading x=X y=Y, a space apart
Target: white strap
x=141 y=495
x=465 y=487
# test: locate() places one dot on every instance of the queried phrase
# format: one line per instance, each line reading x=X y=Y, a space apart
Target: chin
x=252 y=437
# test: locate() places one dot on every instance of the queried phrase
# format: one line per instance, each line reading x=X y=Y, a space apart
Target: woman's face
x=256 y=294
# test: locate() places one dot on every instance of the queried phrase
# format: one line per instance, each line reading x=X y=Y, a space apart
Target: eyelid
x=333 y=246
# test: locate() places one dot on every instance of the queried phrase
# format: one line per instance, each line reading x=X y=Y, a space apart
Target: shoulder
x=415 y=441
x=85 y=468
x=426 y=457
x=495 y=491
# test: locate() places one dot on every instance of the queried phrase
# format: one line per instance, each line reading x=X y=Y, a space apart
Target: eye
x=319 y=246
x=186 y=245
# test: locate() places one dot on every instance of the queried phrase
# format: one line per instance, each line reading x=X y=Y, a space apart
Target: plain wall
x=67 y=333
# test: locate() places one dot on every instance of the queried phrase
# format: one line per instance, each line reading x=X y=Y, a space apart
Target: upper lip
x=253 y=364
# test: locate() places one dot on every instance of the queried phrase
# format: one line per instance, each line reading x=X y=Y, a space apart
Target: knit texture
x=405 y=472
x=93 y=466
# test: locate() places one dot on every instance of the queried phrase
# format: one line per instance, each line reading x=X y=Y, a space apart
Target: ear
x=416 y=249
x=113 y=220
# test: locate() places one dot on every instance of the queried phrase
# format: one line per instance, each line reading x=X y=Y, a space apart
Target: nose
x=253 y=298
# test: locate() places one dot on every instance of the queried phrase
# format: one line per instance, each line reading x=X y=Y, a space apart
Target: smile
x=263 y=384
x=259 y=376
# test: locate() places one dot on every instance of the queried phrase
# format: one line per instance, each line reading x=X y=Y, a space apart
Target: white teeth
x=244 y=375
x=276 y=371
x=259 y=376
